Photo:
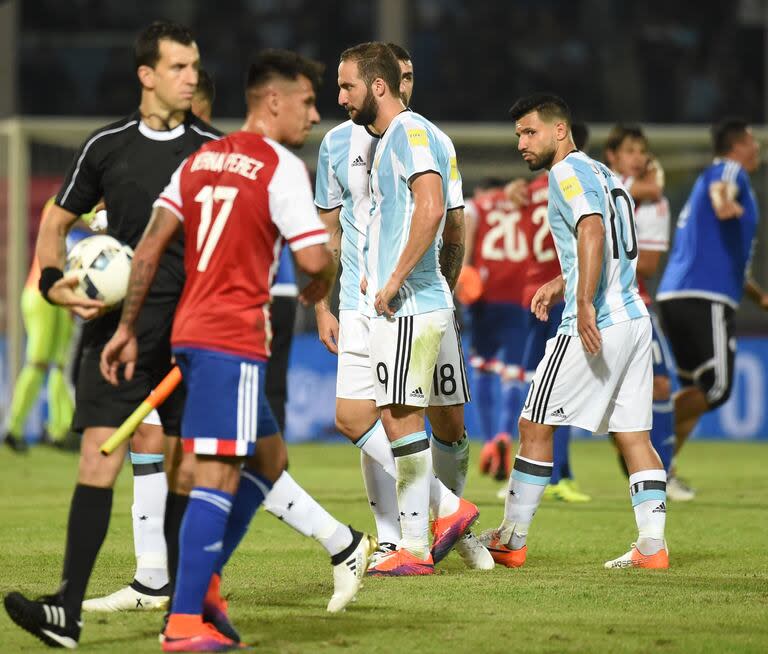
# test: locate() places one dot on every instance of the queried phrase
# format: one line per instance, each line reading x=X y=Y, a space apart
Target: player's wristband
x=48 y=277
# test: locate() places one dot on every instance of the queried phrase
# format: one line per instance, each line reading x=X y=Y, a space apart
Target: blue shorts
x=226 y=408
x=538 y=333
x=498 y=336
x=662 y=356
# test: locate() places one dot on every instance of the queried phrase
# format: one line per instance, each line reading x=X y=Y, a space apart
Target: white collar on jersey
x=161 y=135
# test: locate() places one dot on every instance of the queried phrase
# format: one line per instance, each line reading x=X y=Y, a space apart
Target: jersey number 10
x=617 y=212
x=207 y=196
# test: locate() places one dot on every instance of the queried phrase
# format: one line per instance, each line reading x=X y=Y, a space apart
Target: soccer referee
x=127 y=163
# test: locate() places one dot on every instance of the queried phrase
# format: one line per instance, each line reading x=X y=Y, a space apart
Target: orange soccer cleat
x=446 y=531
x=188 y=633
x=401 y=563
x=502 y=554
x=635 y=559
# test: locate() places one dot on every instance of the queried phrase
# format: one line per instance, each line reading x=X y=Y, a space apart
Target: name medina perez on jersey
x=233 y=162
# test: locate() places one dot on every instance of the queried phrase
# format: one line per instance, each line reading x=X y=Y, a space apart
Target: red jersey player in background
x=495 y=254
x=237 y=199
x=541 y=266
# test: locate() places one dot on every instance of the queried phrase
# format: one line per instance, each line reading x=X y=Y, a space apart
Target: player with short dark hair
x=708 y=273
x=596 y=373
x=237 y=199
x=370 y=90
x=343 y=197
x=127 y=163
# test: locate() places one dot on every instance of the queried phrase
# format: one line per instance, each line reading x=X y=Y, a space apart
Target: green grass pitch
x=713 y=599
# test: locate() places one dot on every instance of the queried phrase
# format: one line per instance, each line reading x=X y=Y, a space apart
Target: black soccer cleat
x=44 y=618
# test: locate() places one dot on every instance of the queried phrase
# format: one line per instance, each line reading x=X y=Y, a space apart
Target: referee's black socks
x=89 y=515
x=175 y=506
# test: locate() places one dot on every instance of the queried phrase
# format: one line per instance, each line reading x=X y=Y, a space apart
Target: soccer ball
x=102 y=265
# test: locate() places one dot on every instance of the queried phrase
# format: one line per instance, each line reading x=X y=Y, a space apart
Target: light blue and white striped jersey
x=410 y=145
x=710 y=257
x=343 y=167
x=580 y=186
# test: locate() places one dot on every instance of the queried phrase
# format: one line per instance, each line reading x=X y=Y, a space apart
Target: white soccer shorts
x=406 y=360
x=611 y=391
x=355 y=379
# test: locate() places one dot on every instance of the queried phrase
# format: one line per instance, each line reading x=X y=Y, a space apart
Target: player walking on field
x=596 y=374
x=343 y=197
x=708 y=273
x=405 y=286
x=237 y=199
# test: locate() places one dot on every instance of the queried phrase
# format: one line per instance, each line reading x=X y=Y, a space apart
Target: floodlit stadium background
x=673 y=67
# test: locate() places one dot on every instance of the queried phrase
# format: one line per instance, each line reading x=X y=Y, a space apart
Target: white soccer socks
x=451 y=462
x=150 y=488
x=293 y=505
x=413 y=460
x=527 y=483
x=648 y=491
x=378 y=466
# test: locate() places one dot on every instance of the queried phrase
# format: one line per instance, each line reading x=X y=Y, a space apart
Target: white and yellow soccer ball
x=102 y=264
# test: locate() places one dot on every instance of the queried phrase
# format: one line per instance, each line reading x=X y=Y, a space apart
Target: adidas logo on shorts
x=359 y=161
x=662 y=508
x=418 y=393
x=558 y=413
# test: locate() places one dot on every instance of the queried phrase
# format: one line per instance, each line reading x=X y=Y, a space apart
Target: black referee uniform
x=129 y=164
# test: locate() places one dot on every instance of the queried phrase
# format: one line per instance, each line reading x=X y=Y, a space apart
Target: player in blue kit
x=596 y=373
x=708 y=273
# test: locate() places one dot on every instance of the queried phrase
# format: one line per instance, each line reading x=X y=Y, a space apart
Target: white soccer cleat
x=474 y=554
x=679 y=491
x=348 y=574
x=127 y=599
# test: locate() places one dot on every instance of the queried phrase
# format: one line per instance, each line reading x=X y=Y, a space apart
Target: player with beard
x=596 y=373
x=405 y=280
x=342 y=194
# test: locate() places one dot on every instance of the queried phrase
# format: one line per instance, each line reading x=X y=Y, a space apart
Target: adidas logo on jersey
x=359 y=161
x=662 y=508
x=558 y=413
x=418 y=393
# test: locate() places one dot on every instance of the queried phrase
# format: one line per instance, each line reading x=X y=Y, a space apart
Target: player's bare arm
x=756 y=293
x=723 y=197
x=428 y=201
x=648 y=262
x=51 y=252
x=547 y=296
x=452 y=252
x=327 y=324
x=317 y=262
x=590 y=245
x=122 y=347
x=516 y=191
x=646 y=189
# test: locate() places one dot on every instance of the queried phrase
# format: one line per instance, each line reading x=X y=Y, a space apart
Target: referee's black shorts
x=701 y=334
x=98 y=403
